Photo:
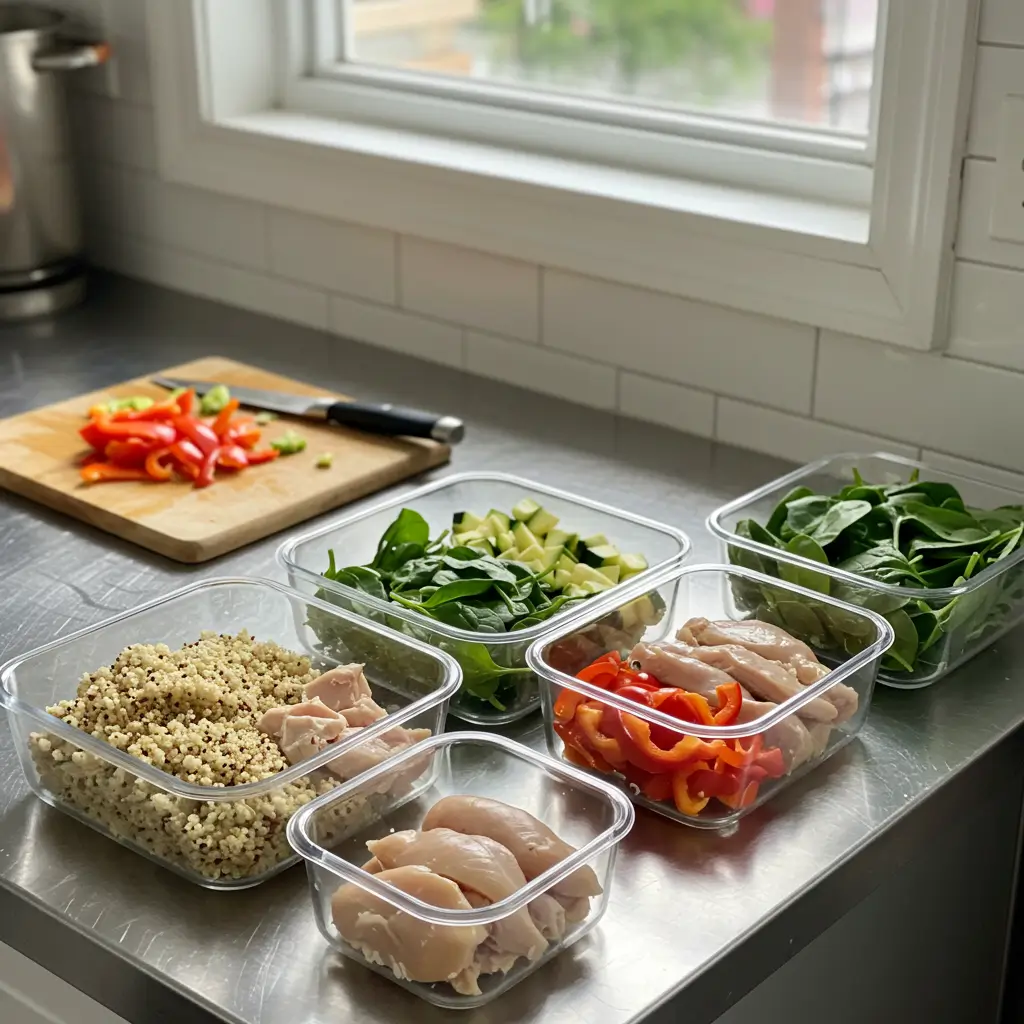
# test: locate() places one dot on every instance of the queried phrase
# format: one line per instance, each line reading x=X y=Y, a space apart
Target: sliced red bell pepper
x=686 y=706
x=104 y=429
x=264 y=455
x=232 y=456
x=566 y=704
x=207 y=470
x=157 y=411
x=745 y=799
x=198 y=433
x=588 y=718
x=603 y=672
x=160 y=463
x=243 y=432
x=654 y=787
x=97 y=472
x=738 y=755
x=577 y=749
x=223 y=419
x=772 y=762
x=634 y=737
x=131 y=453
x=684 y=801
x=730 y=702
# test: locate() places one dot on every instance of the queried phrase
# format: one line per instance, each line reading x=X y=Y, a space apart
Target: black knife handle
x=395 y=420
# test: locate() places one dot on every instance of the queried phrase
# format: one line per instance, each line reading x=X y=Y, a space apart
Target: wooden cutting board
x=40 y=452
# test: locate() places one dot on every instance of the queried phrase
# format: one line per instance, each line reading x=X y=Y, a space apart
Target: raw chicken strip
x=548 y=915
x=790 y=735
x=364 y=712
x=673 y=665
x=412 y=949
x=273 y=720
x=777 y=645
x=533 y=844
x=364 y=756
x=303 y=736
x=576 y=907
x=820 y=733
x=766 y=679
x=476 y=863
x=339 y=687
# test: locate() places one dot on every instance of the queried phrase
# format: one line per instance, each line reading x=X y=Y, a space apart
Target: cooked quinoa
x=192 y=713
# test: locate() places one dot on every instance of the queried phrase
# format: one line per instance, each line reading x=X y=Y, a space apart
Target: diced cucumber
x=468 y=535
x=525 y=510
x=525 y=537
x=502 y=519
x=482 y=544
x=505 y=541
x=560 y=537
x=551 y=557
x=644 y=611
x=534 y=565
x=511 y=555
x=632 y=564
x=600 y=554
x=583 y=573
x=596 y=541
x=610 y=573
x=574 y=591
x=566 y=562
x=563 y=579
x=542 y=522
x=463 y=521
x=596 y=586
x=533 y=553
x=488 y=528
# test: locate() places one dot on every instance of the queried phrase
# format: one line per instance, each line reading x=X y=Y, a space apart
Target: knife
x=393 y=420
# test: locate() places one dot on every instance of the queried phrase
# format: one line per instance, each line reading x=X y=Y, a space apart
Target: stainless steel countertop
x=695 y=920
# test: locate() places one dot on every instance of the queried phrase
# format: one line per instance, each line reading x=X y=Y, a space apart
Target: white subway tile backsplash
x=472 y=288
x=986 y=322
x=346 y=258
x=999 y=72
x=396 y=330
x=212 y=280
x=973 y=241
x=794 y=437
x=578 y=380
x=930 y=400
x=671 y=405
x=723 y=350
x=1002 y=21
x=975 y=470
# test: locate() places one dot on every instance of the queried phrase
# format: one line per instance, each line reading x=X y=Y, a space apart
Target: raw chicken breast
x=673 y=665
x=364 y=756
x=776 y=644
x=790 y=735
x=364 y=712
x=477 y=864
x=576 y=907
x=303 y=736
x=548 y=915
x=273 y=720
x=533 y=844
x=412 y=949
x=763 y=678
x=339 y=687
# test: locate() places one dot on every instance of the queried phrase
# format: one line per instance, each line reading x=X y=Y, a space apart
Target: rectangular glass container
x=797 y=727
x=955 y=622
x=354 y=541
x=587 y=813
x=220 y=837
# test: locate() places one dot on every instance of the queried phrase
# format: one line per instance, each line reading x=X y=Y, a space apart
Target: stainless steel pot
x=41 y=241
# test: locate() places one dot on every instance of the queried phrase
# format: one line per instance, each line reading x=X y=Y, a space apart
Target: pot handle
x=74 y=58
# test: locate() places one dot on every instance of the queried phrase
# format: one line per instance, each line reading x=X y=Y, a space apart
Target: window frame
x=880 y=269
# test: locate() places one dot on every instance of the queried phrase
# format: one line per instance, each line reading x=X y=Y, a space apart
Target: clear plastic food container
x=498 y=665
x=702 y=774
x=935 y=629
x=585 y=812
x=221 y=837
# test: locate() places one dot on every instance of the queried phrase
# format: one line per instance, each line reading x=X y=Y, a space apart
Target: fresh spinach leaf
x=806 y=547
x=407 y=537
x=778 y=517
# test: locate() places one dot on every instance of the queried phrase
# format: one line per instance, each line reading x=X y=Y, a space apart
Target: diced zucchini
x=596 y=541
x=560 y=537
x=500 y=518
x=563 y=579
x=551 y=557
x=610 y=573
x=525 y=537
x=505 y=541
x=542 y=522
x=482 y=544
x=533 y=553
x=574 y=591
x=582 y=573
x=632 y=564
x=466 y=536
x=596 y=586
x=600 y=554
x=488 y=528
x=525 y=510
x=566 y=562
x=644 y=611
x=463 y=521
x=511 y=555
x=534 y=565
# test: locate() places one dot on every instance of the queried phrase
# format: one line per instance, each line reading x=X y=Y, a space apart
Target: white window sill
x=720 y=207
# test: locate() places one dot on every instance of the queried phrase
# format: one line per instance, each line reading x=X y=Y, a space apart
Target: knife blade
x=391 y=420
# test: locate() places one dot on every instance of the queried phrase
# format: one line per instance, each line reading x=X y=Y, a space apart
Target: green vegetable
x=214 y=400
x=135 y=404
x=265 y=417
x=325 y=461
x=289 y=443
x=460 y=582
x=917 y=536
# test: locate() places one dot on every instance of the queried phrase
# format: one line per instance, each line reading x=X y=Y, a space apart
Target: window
x=671 y=83
x=795 y=158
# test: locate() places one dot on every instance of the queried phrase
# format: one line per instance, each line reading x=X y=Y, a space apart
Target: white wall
x=775 y=386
